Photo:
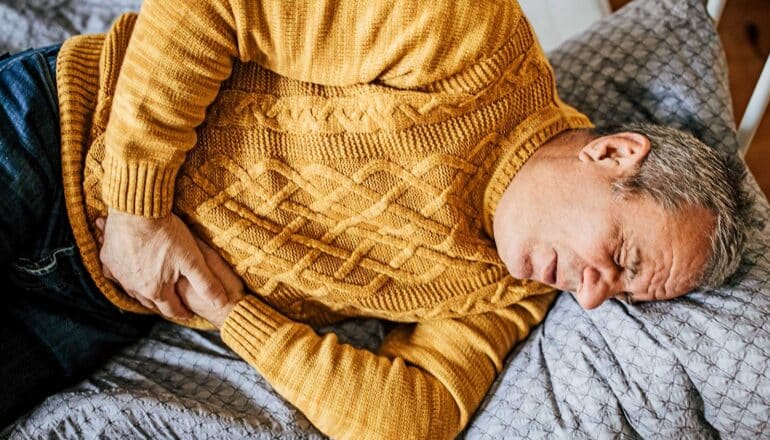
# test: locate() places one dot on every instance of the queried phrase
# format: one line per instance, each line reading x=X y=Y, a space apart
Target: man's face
x=561 y=225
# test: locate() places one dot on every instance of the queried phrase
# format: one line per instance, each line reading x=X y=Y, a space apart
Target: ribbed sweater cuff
x=138 y=187
x=250 y=324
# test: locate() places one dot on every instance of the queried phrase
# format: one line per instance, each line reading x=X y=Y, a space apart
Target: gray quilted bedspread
x=697 y=367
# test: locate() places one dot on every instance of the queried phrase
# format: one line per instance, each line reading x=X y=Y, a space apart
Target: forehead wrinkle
x=654 y=287
x=637 y=260
x=653 y=274
x=670 y=278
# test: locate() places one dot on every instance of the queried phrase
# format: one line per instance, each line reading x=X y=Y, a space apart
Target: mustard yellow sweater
x=346 y=158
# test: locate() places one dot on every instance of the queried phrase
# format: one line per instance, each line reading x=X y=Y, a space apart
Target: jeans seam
x=51 y=92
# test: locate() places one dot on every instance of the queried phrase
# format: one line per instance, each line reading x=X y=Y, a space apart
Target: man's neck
x=548 y=155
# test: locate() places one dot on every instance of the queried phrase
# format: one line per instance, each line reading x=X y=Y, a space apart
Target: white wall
x=557 y=20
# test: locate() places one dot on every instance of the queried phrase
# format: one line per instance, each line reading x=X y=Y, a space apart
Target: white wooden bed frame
x=752 y=117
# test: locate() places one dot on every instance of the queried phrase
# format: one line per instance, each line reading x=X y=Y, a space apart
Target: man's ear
x=621 y=153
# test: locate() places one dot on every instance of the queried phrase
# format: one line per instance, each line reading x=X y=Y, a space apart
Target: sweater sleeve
x=180 y=51
x=426 y=380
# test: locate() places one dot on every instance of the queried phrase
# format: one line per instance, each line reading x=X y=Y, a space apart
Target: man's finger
x=100 y=230
x=183 y=289
x=218 y=265
x=204 y=283
x=170 y=305
x=187 y=294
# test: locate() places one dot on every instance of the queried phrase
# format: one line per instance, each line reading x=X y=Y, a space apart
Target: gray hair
x=681 y=171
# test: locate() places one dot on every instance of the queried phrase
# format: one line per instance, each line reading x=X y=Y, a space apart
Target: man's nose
x=596 y=287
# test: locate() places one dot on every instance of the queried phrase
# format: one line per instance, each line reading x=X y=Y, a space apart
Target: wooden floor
x=745 y=32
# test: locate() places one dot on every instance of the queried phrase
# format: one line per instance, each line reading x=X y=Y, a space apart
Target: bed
x=696 y=367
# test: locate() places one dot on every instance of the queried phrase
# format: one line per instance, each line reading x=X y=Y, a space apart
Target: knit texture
x=346 y=159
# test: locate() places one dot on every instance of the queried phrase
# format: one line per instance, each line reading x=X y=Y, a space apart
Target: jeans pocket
x=57 y=278
x=51 y=272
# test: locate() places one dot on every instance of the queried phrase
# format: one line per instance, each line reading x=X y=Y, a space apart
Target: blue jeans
x=55 y=325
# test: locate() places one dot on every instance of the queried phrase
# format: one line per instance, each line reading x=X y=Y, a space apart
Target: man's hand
x=150 y=257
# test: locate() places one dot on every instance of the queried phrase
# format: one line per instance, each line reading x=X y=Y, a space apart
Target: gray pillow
x=36 y=23
x=696 y=367
x=654 y=61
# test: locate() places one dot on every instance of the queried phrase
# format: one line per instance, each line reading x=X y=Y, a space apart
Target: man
x=409 y=163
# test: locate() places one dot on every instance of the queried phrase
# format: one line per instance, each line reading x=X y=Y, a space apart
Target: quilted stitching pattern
x=179 y=383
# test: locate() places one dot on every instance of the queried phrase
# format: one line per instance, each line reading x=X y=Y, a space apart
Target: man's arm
x=426 y=380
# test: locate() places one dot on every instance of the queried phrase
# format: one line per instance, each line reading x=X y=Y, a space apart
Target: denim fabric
x=55 y=325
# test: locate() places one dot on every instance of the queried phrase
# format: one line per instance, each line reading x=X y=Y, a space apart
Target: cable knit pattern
x=346 y=159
